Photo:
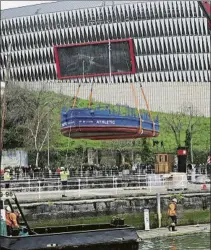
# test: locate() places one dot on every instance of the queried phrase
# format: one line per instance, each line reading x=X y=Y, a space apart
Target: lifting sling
x=140 y=130
x=148 y=109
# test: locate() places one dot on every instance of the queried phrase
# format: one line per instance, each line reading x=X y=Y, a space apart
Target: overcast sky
x=14 y=4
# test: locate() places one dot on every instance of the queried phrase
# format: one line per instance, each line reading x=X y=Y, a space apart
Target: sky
x=14 y=4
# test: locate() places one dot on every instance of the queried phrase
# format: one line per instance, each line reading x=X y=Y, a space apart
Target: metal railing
x=149 y=182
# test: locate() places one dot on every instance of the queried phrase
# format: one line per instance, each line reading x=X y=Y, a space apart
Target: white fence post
x=79 y=187
x=116 y=184
x=39 y=189
x=150 y=184
x=58 y=184
x=158 y=210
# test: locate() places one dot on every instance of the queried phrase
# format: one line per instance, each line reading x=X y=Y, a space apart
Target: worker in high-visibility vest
x=64 y=177
x=11 y=220
x=7 y=178
x=172 y=213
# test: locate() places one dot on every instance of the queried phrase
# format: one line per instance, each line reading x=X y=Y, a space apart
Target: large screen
x=95 y=59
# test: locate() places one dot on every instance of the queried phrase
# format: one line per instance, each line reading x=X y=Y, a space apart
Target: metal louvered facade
x=171 y=40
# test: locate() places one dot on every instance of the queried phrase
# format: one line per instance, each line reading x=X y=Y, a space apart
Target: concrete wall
x=69 y=209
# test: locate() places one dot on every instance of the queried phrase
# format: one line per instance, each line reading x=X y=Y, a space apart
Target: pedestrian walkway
x=181 y=230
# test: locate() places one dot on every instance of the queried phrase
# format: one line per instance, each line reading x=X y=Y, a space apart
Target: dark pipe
x=22 y=215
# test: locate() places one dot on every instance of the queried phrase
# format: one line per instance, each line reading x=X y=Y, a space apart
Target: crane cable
x=90 y=95
x=76 y=96
x=140 y=130
x=148 y=109
x=68 y=145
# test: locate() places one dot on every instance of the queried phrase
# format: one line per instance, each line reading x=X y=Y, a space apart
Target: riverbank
x=188 y=217
x=181 y=230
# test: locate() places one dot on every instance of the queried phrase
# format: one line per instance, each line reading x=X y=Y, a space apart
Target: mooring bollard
x=146 y=219
x=158 y=210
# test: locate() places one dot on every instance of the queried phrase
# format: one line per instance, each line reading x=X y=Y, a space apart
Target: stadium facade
x=171 y=39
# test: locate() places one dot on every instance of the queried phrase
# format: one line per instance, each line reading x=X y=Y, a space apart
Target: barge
x=105 y=124
x=111 y=236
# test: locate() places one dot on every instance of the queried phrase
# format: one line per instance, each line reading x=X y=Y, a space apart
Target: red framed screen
x=92 y=59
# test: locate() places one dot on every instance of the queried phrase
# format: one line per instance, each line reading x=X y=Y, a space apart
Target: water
x=192 y=242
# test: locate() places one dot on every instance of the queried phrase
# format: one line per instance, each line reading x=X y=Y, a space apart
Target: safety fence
x=150 y=182
x=76 y=174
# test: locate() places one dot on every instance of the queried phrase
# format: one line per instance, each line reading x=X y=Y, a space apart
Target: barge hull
x=106 y=239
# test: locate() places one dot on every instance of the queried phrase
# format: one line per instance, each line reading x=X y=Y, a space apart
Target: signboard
x=92 y=59
x=181 y=152
x=14 y=158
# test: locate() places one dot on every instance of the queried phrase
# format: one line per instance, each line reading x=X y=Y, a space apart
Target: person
x=7 y=178
x=11 y=220
x=3 y=226
x=172 y=213
x=63 y=177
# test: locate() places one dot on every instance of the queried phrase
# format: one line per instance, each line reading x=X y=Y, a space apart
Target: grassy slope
x=190 y=217
x=200 y=140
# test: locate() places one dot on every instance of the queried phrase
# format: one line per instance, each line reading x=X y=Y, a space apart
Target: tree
x=40 y=120
x=121 y=146
x=193 y=121
x=15 y=117
x=184 y=123
x=174 y=123
x=30 y=118
x=147 y=155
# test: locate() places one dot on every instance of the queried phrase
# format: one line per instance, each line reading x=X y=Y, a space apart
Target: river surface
x=188 y=242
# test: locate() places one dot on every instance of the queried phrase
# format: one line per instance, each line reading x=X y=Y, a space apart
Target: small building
x=164 y=163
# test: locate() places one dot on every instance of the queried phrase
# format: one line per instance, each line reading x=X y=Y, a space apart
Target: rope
x=137 y=107
x=68 y=145
x=90 y=96
x=148 y=109
x=75 y=99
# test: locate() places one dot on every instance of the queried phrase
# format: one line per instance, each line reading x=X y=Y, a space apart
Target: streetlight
x=190 y=134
